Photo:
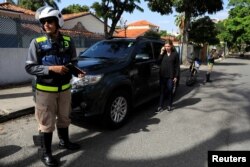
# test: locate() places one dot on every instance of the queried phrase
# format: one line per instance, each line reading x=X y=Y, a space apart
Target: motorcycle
x=194 y=69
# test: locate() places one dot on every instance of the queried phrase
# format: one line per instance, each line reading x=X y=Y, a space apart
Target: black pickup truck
x=121 y=73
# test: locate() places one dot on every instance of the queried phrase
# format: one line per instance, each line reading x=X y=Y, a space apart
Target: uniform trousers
x=52 y=108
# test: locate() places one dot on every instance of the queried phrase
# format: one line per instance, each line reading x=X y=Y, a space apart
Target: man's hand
x=59 y=69
x=81 y=75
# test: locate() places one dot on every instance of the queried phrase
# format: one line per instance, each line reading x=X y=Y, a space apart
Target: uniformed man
x=47 y=59
x=210 y=63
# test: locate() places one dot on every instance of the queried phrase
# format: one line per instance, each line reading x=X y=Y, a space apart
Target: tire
x=190 y=81
x=117 y=109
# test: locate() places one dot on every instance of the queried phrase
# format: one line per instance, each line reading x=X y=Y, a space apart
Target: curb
x=17 y=114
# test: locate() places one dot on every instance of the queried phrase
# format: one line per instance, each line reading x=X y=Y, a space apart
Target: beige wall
x=90 y=22
x=12 y=64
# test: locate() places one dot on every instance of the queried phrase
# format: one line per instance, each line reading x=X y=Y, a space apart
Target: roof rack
x=148 y=37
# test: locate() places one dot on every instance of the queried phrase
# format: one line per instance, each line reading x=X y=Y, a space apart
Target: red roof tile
x=12 y=7
x=131 y=33
x=142 y=23
x=74 y=15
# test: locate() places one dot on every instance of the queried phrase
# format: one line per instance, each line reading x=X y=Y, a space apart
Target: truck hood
x=99 y=65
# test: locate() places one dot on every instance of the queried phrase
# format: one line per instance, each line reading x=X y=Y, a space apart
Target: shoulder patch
x=66 y=38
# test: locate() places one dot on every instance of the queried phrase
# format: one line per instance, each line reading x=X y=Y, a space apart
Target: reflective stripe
x=44 y=38
x=52 y=88
x=66 y=86
x=41 y=39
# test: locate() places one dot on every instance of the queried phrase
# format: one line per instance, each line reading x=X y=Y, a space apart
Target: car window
x=144 y=51
x=157 y=48
x=109 y=49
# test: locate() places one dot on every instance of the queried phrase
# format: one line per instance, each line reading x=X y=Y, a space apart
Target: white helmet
x=214 y=48
x=48 y=11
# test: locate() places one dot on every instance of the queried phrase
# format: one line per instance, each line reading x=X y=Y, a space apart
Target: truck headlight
x=86 y=80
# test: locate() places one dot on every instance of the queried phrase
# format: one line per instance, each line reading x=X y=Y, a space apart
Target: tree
x=223 y=34
x=190 y=8
x=113 y=10
x=163 y=33
x=152 y=34
x=179 y=22
x=35 y=4
x=237 y=26
x=203 y=30
x=75 y=8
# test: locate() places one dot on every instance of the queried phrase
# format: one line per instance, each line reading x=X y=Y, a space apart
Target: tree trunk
x=106 y=35
x=185 y=38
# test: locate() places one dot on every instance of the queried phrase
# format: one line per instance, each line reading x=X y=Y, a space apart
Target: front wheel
x=117 y=109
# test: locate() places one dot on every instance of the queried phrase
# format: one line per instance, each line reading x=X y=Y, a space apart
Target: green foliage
x=237 y=26
x=223 y=34
x=35 y=4
x=238 y=3
x=75 y=8
x=163 y=33
x=30 y=4
x=161 y=6
x=152 y=34
x=203 y=31
x=113 y=10
x=193 y=7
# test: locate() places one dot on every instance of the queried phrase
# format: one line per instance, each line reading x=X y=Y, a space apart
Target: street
x=207 y=116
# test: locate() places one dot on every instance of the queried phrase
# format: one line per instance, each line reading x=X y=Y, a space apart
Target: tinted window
x=109 y=49
x=157 y=48
x=144 y=51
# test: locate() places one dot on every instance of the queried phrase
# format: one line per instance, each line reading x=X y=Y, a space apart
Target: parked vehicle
x=121 y=73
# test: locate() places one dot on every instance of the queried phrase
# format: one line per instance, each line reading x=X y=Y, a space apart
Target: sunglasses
x=49 y=21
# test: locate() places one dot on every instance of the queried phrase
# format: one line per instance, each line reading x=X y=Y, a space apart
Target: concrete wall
x=90 y=22
x=12 y=63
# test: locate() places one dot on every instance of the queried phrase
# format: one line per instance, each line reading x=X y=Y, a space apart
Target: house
x=18 y=27
x=139 y=28
x=11 y=10
x=135 y=29
x=85 y=20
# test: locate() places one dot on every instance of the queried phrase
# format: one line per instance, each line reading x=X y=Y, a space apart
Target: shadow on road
x=98 y=142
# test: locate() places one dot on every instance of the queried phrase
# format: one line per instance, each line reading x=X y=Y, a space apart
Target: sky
x=165 y=22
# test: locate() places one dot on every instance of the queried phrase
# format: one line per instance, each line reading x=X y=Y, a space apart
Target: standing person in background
x=169 y=72
x=48 y=59
x=210 y=63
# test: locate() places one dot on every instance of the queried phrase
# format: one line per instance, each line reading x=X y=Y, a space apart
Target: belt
x=52 y=88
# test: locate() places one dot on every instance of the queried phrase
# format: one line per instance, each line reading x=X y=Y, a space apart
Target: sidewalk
x=17 y=101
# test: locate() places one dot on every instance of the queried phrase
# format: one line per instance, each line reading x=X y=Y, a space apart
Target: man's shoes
x=169 y=108
x=64 y=142
x=159 y=109
x=49 y=160
x=69 y=145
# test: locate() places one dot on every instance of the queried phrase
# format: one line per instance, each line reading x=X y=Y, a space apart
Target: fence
x=15 y=37
x=18 y=33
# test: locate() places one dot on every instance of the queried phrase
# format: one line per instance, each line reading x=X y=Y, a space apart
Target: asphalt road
x=208 y=116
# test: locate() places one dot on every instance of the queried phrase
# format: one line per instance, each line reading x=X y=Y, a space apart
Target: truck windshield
x=109 y=49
